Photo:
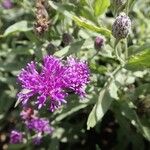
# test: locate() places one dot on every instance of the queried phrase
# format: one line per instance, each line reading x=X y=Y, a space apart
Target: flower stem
x=126 y=50
x=127 y=7
x=116 y=52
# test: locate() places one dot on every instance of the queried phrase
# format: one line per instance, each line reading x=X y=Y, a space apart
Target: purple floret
x=16 y=137
x=39 y=125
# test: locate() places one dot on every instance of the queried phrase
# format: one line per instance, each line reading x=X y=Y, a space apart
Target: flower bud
x=99 y=42
x=51 y=48
x=66 y=39
x=7 y=4
x=121 y=26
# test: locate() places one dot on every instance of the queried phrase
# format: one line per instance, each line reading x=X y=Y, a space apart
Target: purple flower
x=99 y=42
x=7 y=4
x=16 y=137
x=52 y=81
x=39 y=125
x=48 y=84
x=77 y=75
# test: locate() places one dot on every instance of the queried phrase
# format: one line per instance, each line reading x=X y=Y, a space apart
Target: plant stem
x=127 y=7
x=113 y=75
x=126 y=50
x=117 y=54
x=94 y=55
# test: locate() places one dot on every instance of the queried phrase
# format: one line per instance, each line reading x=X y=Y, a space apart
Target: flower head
x=16 y=137
x=121 y=26
x=50 y=84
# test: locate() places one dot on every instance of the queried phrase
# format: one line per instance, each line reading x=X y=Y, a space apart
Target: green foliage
x=17 y=27
x=120 y=85
x=140 y=60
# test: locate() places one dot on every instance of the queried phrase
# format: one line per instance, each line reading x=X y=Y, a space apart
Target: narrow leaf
x=21 y=26
x=99 y=109
x=84 y=23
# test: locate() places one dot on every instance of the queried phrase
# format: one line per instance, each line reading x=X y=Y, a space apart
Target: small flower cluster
x=40 y=126
x=53 y=81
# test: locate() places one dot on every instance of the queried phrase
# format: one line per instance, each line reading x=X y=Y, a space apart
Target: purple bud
x=7 y=4
x=99 y=42
x=51 y=49
x=16 y=137
x=66 y=39
x=121 y=26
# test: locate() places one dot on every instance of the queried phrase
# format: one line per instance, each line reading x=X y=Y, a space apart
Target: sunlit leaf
x=139 y=61
x=99 y=109
x=84 y=23
x=100 y=6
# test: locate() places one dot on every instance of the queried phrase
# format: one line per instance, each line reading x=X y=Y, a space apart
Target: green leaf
x=16 y=146
x=100 y=6
x=21 y=26
x=135 y=49
x=69 y=111
x=62 y=8
x=86 y=12
x=84 y=23
x=130 y=113
x=54 y=144
x=99 y=109
x=96 y=68
x=74 y=48
x=105 y=99
x=140 y=61
x=113 y=89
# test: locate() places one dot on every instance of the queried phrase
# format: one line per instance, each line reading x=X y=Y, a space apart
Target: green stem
x=113 y=75
x=126 y=50
x=94 y=55
x=127 y=7
x=117 y=54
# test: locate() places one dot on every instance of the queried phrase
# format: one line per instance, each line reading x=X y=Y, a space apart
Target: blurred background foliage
x=117 y=116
